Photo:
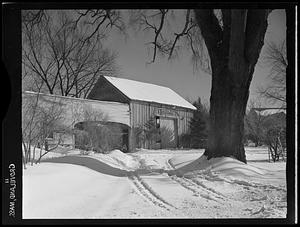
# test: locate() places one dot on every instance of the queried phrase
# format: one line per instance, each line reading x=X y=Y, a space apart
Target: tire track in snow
x=147 y=192
x=246 y=184
x=256 y=185
x=201 y=184
x=198 y=188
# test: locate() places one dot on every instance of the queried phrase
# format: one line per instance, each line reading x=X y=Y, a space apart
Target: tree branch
x=183 y=32
x=255 y=32
x=210 y=30
x=157 y=32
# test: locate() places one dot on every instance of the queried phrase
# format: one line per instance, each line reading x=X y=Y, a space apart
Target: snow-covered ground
x=154 y=184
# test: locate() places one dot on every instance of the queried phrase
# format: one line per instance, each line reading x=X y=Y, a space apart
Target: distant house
x=150 y=105
x=269 y=111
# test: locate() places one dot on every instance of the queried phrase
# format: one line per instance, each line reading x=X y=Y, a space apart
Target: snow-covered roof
x=141 y=91
x=269 y=111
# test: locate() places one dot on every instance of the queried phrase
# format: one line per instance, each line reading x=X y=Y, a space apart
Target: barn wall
x=135 y=114
x=73 y=108
x=142 y=112
x=105 y=91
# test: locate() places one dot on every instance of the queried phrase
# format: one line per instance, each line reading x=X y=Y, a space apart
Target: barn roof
x=141 y=91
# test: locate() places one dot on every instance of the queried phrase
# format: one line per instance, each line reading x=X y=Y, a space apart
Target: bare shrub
x=81 y=139
x=98 y=137
x=93 y=133
x=147 y=135
x=151 y=136
x=39 y=121
x=275 y=139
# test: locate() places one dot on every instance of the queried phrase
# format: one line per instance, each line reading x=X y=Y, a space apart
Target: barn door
x=168 y=132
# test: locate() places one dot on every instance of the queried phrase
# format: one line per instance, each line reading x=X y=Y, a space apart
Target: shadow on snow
x=103 y=168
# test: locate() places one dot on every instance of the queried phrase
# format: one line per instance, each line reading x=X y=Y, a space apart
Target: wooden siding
x=141 y=113
x=105 y=91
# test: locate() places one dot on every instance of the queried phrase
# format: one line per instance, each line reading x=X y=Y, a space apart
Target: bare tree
x=100 y=21
x=274 y=57
x=188 y=35
x=275 y=139
x=29 y=135
x=62 y=56
x=233 y=40
x=48 y=122
x=39 y=120
x=29 y=126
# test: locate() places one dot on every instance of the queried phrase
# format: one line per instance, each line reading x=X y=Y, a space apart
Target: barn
x=158 y=116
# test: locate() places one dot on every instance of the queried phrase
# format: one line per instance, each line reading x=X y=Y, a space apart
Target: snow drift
x=154 y=184
x=225 y=165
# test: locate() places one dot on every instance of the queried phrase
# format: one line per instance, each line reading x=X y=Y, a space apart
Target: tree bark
x=227 y=110
x=234 y=49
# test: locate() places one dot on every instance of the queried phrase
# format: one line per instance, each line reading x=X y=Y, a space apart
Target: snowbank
x=115 y=158
x=258 y=167
x=126 y=160
x=56 y=190
x=224 y=165
x=154 y=184
x=118 y=159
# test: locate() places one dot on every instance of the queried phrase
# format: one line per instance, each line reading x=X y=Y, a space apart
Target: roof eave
x=171 y=105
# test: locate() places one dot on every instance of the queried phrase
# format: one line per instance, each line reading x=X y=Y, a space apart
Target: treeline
x=259 y=130
x=268 y=130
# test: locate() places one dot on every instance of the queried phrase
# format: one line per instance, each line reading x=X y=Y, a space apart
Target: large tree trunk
x=234 y=49
x=228 y=104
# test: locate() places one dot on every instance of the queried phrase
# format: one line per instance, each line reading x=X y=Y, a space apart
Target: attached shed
x=151 y=108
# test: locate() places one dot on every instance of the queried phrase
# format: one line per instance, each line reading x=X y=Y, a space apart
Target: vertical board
x=142 y=112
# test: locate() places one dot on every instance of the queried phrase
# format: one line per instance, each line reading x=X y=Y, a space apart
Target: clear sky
x=178 y=74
